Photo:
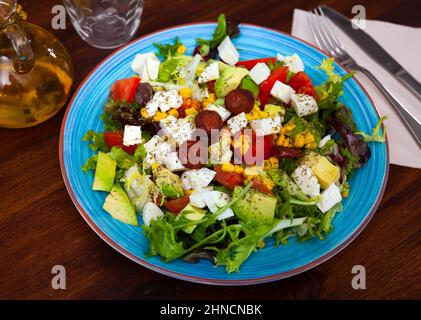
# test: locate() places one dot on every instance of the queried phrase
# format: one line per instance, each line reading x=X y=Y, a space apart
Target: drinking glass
x=105 y=24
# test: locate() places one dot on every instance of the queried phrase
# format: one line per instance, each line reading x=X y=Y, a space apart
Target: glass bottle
x=36 y=72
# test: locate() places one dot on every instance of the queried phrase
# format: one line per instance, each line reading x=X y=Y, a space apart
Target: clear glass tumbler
x=105 y=24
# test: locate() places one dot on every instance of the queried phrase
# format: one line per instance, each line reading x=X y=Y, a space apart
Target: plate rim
x=197 y=279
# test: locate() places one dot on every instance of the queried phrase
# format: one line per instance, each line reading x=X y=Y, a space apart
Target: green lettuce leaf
x=96 y=141
x=168 y=50
x=90 y=164
x=375 y=133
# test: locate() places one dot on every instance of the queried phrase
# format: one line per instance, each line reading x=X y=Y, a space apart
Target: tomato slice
x=260 y=186
x=228 y=179
x=302 y=83
x=279 y=74
x=125 y=89
x=249 y=64
x=115 y=139
x=176 y=205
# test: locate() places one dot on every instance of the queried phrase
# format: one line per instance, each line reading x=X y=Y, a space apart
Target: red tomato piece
x=176 y=205
x=260 y=186
x=301 y=83
x=229 y=180
x=115 y=139
x=249 y=64
x=279 y=74
x=252 y=146
x=125 y=89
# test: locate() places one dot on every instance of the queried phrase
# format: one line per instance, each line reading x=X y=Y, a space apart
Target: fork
x=326 y=40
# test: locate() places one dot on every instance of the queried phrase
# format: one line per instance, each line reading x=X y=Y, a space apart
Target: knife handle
x=411 y=122
x=409 y=82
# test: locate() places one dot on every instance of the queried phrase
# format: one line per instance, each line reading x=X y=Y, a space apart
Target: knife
x=374 y=50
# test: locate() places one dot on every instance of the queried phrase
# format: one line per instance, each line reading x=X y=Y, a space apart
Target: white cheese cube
x=224 y=113
x=303 y=104
x=149 y=160
x=227 y=52
x=197 y=197
x=228 y=213
x=220 y=152
x=132 y=135
x=323 y=141
x=306 y=180
x=140 y=61
x=162 y=152
x=237 y=122
x=184 y=132
x=282 y=91
x=267 y=126
x=210 y=73
x=173 y=163
x=151 y=212
x=259 y=73
x=294 y=62
x=197 y=179
x=168 y=99
x=151 y=108
x=152 y=145
x=169 y=125
x=329 y=197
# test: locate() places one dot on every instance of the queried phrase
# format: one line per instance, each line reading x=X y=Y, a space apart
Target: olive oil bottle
x=36 y=72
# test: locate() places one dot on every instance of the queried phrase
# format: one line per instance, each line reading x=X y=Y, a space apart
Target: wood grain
x=40 y=227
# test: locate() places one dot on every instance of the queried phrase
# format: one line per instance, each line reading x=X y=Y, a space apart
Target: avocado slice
x=273 y=110
x=169 y=183
x=119 y=206
x=193 y=214
x=229 y=80
x=248 y=84
x=325 y=171
x=255 y=207
x=104 y=172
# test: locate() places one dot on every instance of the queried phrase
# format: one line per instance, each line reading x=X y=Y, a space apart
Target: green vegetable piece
x=119 y=206
x=248 y=84
x=375 y=133
x=168 y=50
x=191 y=213
x=274 y=110
x=104 y=172
x=254 y=208
x=97 y=141
x=229 y=80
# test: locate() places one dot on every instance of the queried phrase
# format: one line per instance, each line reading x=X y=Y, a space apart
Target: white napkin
x=403 y=44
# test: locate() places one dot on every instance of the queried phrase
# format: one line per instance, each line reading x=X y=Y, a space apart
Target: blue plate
x=270 y=263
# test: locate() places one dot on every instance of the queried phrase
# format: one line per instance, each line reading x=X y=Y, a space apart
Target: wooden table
x=40 y=227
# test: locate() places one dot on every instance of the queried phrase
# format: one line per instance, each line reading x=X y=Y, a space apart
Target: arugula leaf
x=375 y=133
x=162 y=240
x=168 y=50
x=97 y=142
x=90 y=164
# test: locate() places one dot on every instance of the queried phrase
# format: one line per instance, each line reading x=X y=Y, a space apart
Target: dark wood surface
x=40 y=227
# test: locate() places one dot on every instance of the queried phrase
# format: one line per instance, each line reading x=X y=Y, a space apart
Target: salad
x=220 y=155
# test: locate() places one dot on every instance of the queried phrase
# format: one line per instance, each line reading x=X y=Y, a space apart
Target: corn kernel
x=227 y=167
x=188 y=192
x=154 y=166
x=262 y=244
x=252 y=171
x=181 y=49
x=345 y=193
x=281 y=140
x=159 y=116
x=238 y=169
x=144 y=113
x=289 y=127
x=185 y=93
x=266 y=165
x=174 y=113
x=249 y=116
x=308 y=138
x=274 y=162
x=286 y=142
x=311 y=145
x=190 y=111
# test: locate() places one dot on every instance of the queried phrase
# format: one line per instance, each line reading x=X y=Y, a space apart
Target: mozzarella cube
x=168 y=99
x=197 y=179
x=210 y=73
x=329 y=197
x=228 y=213
x=306 y=180
x=237 y=122
x=140 y=61
x=323 y=141
x=303 y=104
x=132 y=135
x=267 y=126
x=259 y=73
x=294 y=62
x=173 y=163
x=197 y=197
x=227 y=52
x=282 y=91
x=224 y=113
x=151 y=212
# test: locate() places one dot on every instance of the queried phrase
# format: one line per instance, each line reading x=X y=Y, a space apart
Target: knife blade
x=374 y=50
